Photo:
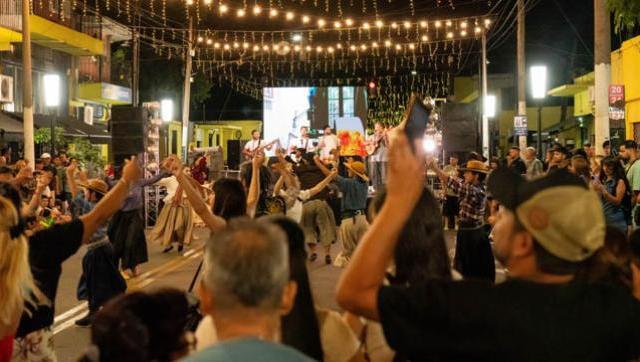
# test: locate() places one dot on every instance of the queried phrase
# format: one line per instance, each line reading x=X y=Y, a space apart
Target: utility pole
x=27 y=84
x=602 y=55
x=135 y=77
x=485 y=118
x=186 y=99
x=522 y=95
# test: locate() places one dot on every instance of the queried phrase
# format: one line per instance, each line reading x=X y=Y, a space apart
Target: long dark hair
x=140 y=327
x=618 y=172
x=421 y=252
x=300 y=328
x=230 y=199
x=265 y=183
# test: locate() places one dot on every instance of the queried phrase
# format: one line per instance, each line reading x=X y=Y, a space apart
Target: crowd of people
x=564 y=229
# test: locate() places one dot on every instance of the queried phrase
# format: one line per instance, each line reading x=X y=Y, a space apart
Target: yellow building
x=625 y=70
x=217 y=133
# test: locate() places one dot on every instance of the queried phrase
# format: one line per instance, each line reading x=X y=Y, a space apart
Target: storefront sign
x=520 y=126
x=616 y=102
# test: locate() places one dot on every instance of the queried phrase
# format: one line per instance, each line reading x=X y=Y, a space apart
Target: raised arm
x=253 y=196
x=278 y=186
x=321 y=166
x=43 y=181
x=213 y=222
x=71 y=170
x=360 y=282
x=324 y=183
x=111 y=202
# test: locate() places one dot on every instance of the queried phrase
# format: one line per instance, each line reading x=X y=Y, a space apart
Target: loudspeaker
x=234 y=154
x=460 y=128
x=127 y=132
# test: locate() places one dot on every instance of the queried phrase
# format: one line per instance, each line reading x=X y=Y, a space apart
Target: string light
x=216 y=45
x=463 y=33
x=407 y=24
x=398 y=47
x=387 y=43
x=236 y=45
x=257 y=10
x=438 y=24
x=245 y=45
x=477 y=30
x=256 y=48
x=319 y=49
x=330 y=49
x=463 y=25
x=265 y=48
x=394 y=25
x=353 y=48
x=200 y=39
x=449 y=35
x=273 y=13
x=290 y=15
x=449 y=23
x=296 y=48
x=226 y=47
x=241 y=13
x=423 y=24
x=424 y=38
x=349 y=22
x=209 y=41
x=366 y=25
x=223 y=8
x=379 y=23
x=374 y=45
x=189 y=2
x=337 y=25
x=305 y=19
x=321 y=23
x=487 y=22
x=308 y=48
x=208 y=2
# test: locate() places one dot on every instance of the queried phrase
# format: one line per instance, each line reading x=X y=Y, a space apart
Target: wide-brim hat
x=358 y=169
x=564 y=216
x=95 y=185
x=475 y=166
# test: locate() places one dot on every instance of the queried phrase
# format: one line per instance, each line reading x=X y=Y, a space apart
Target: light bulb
x=412 y=46
x=366 y=25
x=407 y=25
x=339 y=46
x=241 y=13
x=423 y=24
x=477 y=30
x=265 y=48
x=394 y=25
x=321 y=23
x=200 y=39
x=349 y=22
x=353 y=48
x=387 y=43
x=375 y=45
x=290 y=15
x=257 y=10
x=379 y=23
x=398 y=47
x=425 y=38
x=226 y=47
x=256 y=48
x=438 y=23
x=209 y=41
x=245 y=45
x=449 y=35
x=216 y=45
x=487 y=22
x=236 y=45
x=308 y=48
x=463 y=25
x=449 y=23
x=273 y=13
x=296 y=48
x=463 y=33
x=305 y=19
x=223 y=8
x=330 y=49
x=337 y=24
x=319 y=49
x=363 y=47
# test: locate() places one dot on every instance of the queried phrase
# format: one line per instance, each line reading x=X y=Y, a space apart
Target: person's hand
x=71 y=169
x=405 y=175
x=43 y=181
x=258 y=160
x=25 y=173
x=131 y=171
x=334 y=173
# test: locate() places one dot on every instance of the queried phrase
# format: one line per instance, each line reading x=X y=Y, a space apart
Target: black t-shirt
x=48 y=249
x=518 y=166
x=513 y=321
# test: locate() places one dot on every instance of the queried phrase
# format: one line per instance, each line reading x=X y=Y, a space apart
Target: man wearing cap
x=560 y=158
x=546 y=230
x=101 y=279
x=355 y=191
x=474 y=258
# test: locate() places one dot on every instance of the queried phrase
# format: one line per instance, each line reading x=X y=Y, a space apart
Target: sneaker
x=85 y=321
x=327 y=259
x=313 y=257
x=168 y=249
x=180 y=248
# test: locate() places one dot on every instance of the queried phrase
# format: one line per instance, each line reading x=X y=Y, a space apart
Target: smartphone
x=416 y=119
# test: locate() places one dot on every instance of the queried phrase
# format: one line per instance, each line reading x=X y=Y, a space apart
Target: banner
x=616 y=102
x=520 y=126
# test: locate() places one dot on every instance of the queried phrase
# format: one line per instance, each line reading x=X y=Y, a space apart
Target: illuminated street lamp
x=52 y=99
x=538 y=75
x=166 y=110
x=489 y=108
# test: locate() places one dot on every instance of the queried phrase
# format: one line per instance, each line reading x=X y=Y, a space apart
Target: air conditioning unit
x=88 y=115
x=6 y=89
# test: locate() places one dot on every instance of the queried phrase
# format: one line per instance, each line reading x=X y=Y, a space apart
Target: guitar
x=372 y=146
x=249 y=155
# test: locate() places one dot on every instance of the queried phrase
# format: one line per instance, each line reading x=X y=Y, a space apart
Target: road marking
x=68 y=318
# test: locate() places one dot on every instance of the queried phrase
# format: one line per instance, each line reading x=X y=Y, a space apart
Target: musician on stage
x=303 y=142
x=256 y=145
x=377 y=150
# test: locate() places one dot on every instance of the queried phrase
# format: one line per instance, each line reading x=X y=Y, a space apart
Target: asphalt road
x=168 y=270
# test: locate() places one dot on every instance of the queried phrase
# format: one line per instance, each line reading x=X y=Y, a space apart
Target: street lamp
x=166 y=110
x=52 y=99
x=490 y=106
x=538 y=79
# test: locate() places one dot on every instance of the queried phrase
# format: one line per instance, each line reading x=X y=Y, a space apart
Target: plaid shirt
x=472 y=200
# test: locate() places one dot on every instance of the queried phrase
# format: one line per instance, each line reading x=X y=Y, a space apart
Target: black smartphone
x=416 y=119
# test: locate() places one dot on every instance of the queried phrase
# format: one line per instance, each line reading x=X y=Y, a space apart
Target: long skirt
x=174 y=225
x=100 y=280
x=474 y=257
x=126 y=232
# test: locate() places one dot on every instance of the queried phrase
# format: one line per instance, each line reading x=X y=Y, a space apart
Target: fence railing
x=11 y=14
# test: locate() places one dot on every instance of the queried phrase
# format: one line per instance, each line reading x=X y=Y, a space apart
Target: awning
x=96 y=133
x=568 y=90
x=55 y=36
x=10 y=124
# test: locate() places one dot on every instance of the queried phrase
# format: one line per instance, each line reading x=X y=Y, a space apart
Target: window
x=334 y=105
x=348 y=102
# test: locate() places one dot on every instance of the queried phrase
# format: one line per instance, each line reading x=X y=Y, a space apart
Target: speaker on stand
x=234 y=154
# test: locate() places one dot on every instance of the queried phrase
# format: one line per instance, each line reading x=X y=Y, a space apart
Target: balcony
x=52 y=28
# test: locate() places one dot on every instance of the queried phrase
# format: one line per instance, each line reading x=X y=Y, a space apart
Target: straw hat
x=475 y=166
x=95 y=185
x=358 y=169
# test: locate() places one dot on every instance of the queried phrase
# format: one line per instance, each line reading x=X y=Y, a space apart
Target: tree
x=626 y=14
x=43 y=136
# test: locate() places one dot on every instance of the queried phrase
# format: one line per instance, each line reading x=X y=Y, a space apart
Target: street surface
x=167 y=270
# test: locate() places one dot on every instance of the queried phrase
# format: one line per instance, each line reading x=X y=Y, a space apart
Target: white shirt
x=304 y=142
x=171 y=183
x=328 y=144
x=254 y=144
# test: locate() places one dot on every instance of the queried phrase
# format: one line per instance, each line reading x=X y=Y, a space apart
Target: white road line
x=70 y=312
